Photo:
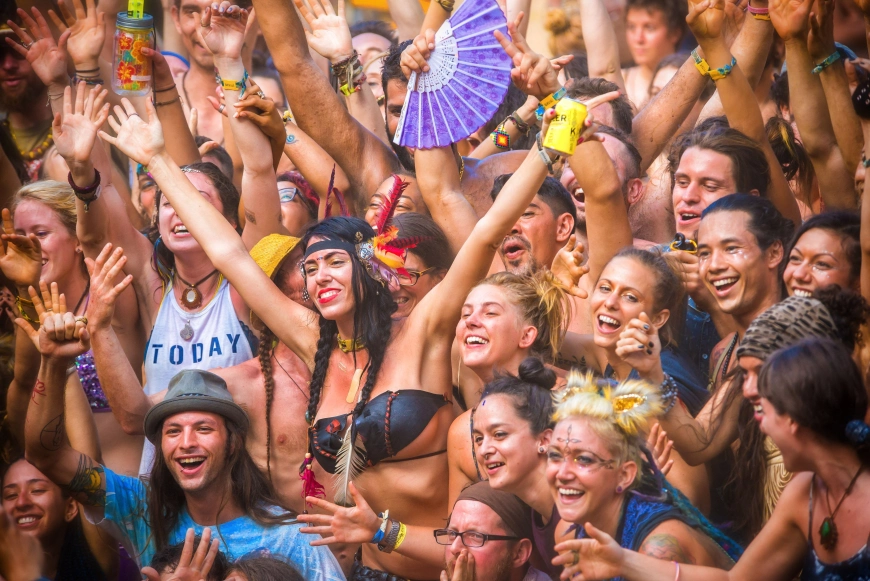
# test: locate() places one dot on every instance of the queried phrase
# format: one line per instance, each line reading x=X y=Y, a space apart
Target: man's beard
x=405 y=157
x=502 y=573
x=526 y=266
x=22 y=101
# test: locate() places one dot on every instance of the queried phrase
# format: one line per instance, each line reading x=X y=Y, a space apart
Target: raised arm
x=706 y=20
x=365 y=158
x=408 y=17
x=810 y=109
x=601 y=44
x=143 y=142
x=179 y=140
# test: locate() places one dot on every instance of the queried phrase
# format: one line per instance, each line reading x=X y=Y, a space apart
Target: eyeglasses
x=412 y=276
x=470 y=539
x=287 y=194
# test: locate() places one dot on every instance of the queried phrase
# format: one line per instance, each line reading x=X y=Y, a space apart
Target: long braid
x=325 y=344
x=264 y=353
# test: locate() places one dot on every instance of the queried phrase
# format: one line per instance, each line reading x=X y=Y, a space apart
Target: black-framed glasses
x=287 y=194
x=470 y=539
x=412 y=276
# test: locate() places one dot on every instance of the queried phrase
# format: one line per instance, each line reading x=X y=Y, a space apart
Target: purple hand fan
x=468 y=77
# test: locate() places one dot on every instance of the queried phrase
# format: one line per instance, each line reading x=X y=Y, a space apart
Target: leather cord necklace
x=828 y=533
x=190 y=296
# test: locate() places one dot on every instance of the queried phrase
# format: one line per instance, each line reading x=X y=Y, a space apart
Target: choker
x=348 y=345
x=191 y=297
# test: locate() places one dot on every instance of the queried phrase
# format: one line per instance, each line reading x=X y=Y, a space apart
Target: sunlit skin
x=407 y=296
x=294 y=213
x=496 y=558
x=739 y=275
x=195 y=436
x=702 y=177
x=61 y=258
x=507 y=451
x=583 y=474
x=781 y=429
x=395 y=100
x=172 y=230
x=272 y=89
x=817 y=260
x=490 y=332
x=187 y=19
x=661 y=78
x=411 y=200
x=36 y=505
x=649 y=39
x=535 y=239
x=751 y=367
x=328 y=276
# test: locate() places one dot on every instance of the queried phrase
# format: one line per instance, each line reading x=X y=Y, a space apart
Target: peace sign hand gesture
x=355 y=524
x=533 y=73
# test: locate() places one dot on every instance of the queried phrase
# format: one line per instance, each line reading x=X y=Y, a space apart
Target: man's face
x=703 y=177
x=369 y=45
x=187 y=17
x=493 y=561
x=649 y=39
x=535 y=239
x=19 y=85
x=395 y=100
x=616 y=150
x=194 y=446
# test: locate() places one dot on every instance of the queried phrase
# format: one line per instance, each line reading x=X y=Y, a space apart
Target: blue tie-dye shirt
x=127 y=508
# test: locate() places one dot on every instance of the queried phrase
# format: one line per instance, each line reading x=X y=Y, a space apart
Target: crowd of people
x=247 y=335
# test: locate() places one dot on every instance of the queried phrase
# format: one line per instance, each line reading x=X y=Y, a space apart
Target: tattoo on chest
x=38 y=389
x=87 y=484
x=51 y=437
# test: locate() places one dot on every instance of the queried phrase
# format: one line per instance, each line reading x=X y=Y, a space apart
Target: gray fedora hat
x=194 y=390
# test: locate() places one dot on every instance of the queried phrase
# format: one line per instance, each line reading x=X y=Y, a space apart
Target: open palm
x=135 y=138
x=87 y=31
x=790 y=18
x=706 y=18
x=47 y=57
x=224 y=34
x=74 y=136
x=329 y=34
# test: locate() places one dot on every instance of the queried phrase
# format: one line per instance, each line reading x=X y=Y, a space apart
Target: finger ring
x=576 y=557
x=27 y=45
x=221 y=108
x=261 y=95
x=83 y=320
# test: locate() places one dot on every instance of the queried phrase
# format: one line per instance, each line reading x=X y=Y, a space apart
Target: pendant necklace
x=348 y=346
x=190 y=296
x=828 y=531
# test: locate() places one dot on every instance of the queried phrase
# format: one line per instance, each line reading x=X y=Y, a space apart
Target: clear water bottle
x=131 y=75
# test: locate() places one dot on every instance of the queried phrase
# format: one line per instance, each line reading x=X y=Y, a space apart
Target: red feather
x=392 y=201
x=408 y=242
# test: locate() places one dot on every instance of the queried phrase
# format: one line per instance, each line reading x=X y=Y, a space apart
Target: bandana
x=514 y=513
x=785 y=324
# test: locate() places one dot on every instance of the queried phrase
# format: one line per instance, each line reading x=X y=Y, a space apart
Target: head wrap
x=514 y=513
x=784 y=324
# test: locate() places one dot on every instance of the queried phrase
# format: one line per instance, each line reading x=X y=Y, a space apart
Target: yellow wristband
x=403 y=530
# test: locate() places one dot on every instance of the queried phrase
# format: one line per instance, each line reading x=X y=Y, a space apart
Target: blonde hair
x=542 y=302
x=566 y=32
x=56 y=195
x=615 y=412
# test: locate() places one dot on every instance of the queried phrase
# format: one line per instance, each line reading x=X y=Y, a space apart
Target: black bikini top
x=387 y=425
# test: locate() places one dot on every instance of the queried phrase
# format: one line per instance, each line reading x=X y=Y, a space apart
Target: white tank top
x=218 y=340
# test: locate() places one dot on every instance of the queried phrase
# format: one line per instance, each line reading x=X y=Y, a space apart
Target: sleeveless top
x=855 y=568
x=544 y=538
x=87 y=372
x=219 y=340
x=387 y=425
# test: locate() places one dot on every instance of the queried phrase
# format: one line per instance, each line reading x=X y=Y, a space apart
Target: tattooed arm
x=673 y=540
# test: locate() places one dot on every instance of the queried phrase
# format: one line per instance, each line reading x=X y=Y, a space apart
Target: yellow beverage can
x=566 y=126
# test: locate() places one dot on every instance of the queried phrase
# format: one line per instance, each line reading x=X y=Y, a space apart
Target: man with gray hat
x=203 y=475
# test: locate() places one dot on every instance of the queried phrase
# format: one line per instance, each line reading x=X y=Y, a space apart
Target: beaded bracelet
x=92 y=81
x=88 y=194
x=669 y=392
x=832 y=58
x=348 y=71
x=500 y=137
x=522 y=126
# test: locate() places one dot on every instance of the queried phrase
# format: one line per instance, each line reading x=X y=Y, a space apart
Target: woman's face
x=507 y=450
x=147 y=193
x=781 y=429
x=294 y=213
x=817 y=260
x=329 y=280
x=583 y=474
x=490 y=331
x=172 y=230
x=35 y=504
x=410 y=201
x=625 y=289
x=407 y=296
x=61 y=252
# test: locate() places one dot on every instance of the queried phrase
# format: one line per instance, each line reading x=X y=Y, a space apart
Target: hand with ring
x=47 y=57
x=256 y=107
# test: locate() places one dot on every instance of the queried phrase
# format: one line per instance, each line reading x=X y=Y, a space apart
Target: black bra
x=387 y=425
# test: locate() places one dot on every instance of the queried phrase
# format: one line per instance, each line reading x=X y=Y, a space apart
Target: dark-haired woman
x=374 y=380
x=812 y=403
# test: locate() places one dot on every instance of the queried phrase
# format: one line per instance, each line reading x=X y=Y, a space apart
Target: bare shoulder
x=674 y=540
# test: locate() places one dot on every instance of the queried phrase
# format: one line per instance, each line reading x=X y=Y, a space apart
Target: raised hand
x=160 y=68
x=639 y=346
x=568 y=267
x=21 y=261
x=355 y=524
x=259 y=109
x=104 y=292
x=597 y=557
x=462 y=569
x=790 y=18
x=61 y=335
x=47 y=57
x=533 y=73
x=329 y=34
x=820 y=40
x=661 y=446
x=706 y=19
x=87 y=32
x=191 y=566
x=222 y=30
x=415 y=56
x=74 y=136
x=136 y=138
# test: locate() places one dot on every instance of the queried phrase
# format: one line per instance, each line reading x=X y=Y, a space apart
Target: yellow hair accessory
x=784 y=133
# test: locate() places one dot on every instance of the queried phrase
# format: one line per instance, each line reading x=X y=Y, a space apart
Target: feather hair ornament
x=350 y=462
x=339 y=197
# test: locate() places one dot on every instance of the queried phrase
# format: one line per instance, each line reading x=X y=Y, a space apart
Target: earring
x=619 y=490
x=305 y=295
x=541 y=450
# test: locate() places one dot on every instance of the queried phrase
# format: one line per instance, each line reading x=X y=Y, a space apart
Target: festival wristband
x=233 y=85
x=759 y=13
x=549 y=101
x=379 y=536
x=705 y=69
x=501 y=138
x=403 y=530
x=834 y=57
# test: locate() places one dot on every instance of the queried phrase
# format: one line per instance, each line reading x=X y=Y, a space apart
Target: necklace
x=828 y=530
x=191 y=297
x=38 y=151
x=348 y=345
x=304 y=395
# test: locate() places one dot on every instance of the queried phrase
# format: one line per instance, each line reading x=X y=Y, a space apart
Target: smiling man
x=203 y=474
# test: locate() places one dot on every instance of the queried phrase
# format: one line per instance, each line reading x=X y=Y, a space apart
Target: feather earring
x=350 y=462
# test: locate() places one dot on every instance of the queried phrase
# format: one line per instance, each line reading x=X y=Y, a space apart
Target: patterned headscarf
x=784 y=324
